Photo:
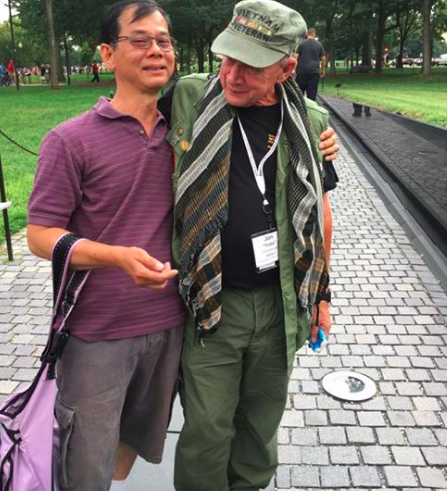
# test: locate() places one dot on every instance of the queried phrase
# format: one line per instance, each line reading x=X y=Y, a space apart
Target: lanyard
x=258 y=171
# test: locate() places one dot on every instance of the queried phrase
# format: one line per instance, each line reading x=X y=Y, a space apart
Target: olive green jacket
x=188 y=94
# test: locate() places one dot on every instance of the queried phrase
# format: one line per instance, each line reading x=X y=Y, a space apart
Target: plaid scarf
x=201 y=208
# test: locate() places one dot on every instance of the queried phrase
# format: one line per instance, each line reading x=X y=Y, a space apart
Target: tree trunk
x=52 y=45
x=181 y=59
x=210 y=58
x=60 y=66
x=200 y=49
x=367 y=45
x=67 y=60
x=331 y=49
x=381 y=24
x=426 y=37
x=189 y=54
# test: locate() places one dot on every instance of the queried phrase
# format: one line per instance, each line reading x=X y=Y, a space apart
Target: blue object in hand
x=317 y=344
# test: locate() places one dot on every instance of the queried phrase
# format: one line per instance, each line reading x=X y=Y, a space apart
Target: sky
x=4 y=13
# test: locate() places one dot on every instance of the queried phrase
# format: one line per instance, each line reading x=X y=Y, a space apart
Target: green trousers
x=233 y=394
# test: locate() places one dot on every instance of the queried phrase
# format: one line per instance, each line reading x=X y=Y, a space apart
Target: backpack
x=29 y=434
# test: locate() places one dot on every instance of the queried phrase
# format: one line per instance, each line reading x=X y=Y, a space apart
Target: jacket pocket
x=65 y=415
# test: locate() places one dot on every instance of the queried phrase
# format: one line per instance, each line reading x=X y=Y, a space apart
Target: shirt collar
x=106 y=110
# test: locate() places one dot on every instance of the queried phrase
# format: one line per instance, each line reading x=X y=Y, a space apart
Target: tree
x=196 y=23
x=29 y=51
x=426 y=36
x=406 y=18
x=53 y=49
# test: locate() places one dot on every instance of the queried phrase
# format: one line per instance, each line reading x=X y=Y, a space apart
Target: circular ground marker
x=349 y=386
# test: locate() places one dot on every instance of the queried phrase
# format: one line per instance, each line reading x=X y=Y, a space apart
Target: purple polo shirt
x=102 y=177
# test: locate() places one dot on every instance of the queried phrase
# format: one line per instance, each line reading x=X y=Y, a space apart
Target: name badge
x=265 y=248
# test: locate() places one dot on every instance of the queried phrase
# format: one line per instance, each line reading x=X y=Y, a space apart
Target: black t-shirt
x=246 y=215
x=310 y=51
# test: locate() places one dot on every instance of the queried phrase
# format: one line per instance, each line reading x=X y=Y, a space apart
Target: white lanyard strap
x=258 y=170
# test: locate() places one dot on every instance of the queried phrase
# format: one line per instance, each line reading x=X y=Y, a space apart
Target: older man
x=248 y=244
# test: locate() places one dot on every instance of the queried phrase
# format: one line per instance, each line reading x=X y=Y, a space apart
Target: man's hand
x=324 y=320
x=322 y=73
x=145 y=270
x=328 y=144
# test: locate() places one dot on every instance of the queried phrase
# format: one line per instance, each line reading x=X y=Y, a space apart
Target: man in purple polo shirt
x=106 y=176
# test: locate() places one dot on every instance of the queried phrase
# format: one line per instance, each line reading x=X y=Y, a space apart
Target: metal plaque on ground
x=349 y=386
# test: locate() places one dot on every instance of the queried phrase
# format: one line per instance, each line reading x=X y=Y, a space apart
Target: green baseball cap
x=260 y=33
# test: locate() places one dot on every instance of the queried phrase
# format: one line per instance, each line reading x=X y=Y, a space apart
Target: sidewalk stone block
x=390 y=436
x=7 y=386
x=400 y=418
x=332 y=436
x=326 y=402
x=441 y=435
x=408 y=389
x=292 y=418
x=344 y=455
x=435 y=455
x=283 y=477
x=375 y=404
x=393 y=374
x=335 y=477
x=400 y=403
x=371 y=418
x=361 y=435
x=305 y=477
x=309 y=387
x=407 y=456
x=342 y=418
x=376 y=455
x=283 y=436
x=365 y=476
x=315 y=455
x=304 y=436
x=288 y=454
x=426 y=418
x=426 y=404
x=304 y=402
x=432 y=478
x=421 y=437
x=316 y=418
x=399 y=476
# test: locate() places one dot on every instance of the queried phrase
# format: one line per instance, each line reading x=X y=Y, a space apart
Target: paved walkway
x=390 y=323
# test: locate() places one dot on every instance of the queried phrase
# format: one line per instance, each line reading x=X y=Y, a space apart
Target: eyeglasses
x=165 y=43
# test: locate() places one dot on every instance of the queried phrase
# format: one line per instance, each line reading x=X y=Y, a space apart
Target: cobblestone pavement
x=390 y=323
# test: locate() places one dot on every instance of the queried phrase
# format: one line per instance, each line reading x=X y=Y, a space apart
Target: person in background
x=311 y=64
x=11 y=71
x=95 y=71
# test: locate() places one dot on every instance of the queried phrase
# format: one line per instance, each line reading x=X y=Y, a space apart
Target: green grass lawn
x=403 y=92
x=27 y=116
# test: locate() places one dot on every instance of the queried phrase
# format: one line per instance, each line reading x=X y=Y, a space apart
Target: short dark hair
x=110 y=25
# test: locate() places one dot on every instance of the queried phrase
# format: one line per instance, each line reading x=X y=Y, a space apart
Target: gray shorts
x=111 y=391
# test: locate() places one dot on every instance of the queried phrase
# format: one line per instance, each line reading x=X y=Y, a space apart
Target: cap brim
x=243 y=49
